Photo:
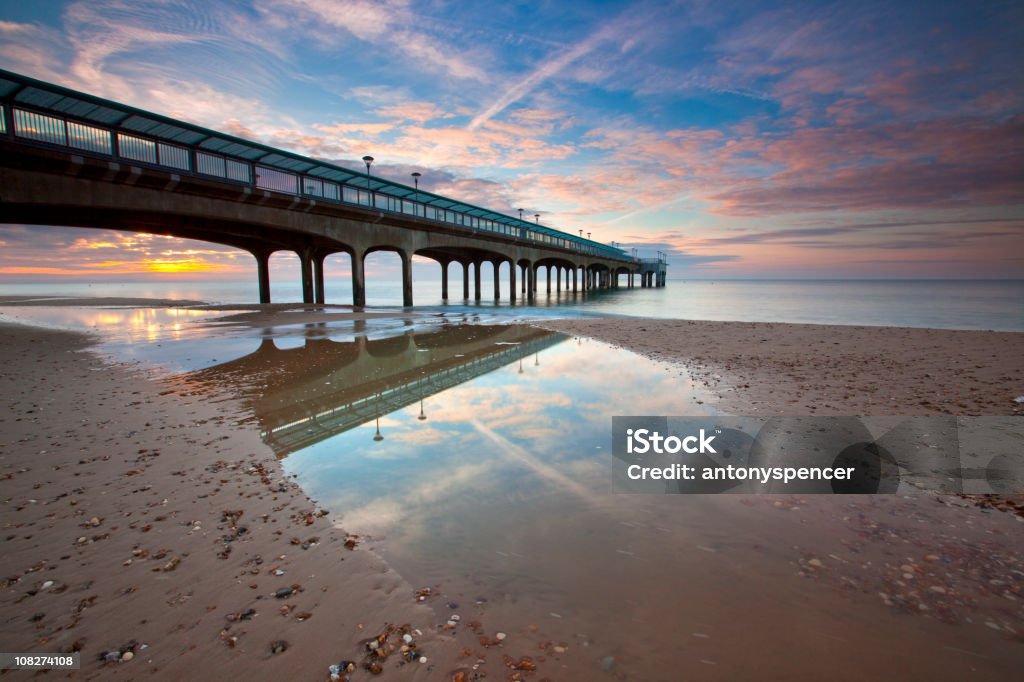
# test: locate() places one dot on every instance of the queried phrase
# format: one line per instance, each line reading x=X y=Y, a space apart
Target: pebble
x=127 y=656
x=500 y=636
x=423 y=659
x=816 y=563
x=607 y=663
x=937 y=588
x=407 y=638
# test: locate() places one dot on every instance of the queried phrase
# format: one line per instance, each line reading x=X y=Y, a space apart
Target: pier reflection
x=303 y=395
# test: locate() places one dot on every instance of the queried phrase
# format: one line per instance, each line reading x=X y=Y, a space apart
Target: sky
x=746 y=139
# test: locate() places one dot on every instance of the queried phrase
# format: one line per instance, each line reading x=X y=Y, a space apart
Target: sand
x=122 y=493
x=804 y=369
x=119 y=498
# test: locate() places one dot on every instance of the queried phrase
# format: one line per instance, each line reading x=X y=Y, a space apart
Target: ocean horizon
x=988 y=304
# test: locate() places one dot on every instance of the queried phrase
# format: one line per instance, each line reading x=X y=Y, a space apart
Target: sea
x=940 y=304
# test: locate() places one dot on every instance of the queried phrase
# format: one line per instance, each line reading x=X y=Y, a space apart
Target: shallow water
x=475 y=459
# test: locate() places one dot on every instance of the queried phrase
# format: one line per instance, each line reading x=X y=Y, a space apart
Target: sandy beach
x=806 y=369
x=149 y=528
x=141 y=522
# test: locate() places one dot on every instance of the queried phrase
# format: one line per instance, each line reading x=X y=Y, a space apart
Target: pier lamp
x=520 y=214
x=536 y=218
x=377 y=436
x=423 y=415
x=367 y=160
x=581 y=232
x=588 y=235
x=416 y=175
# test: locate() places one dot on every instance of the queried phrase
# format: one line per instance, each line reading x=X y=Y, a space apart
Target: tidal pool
x=476 y=460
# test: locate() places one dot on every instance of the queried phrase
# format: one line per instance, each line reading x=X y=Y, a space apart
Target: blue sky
x=869 y=139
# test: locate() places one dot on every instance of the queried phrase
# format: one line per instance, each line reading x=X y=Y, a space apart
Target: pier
x=69 y=158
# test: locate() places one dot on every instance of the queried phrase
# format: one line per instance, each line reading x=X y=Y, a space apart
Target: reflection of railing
x=34 y=112
x=288 y=438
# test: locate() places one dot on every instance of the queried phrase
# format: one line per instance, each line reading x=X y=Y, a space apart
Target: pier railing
x=38 y=113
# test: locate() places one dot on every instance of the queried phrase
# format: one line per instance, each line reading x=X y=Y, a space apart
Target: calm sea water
x=943 y=304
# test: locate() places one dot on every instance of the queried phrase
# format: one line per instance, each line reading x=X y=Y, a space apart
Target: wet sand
x=138 y=518
x=805 y=369
x=102 y=465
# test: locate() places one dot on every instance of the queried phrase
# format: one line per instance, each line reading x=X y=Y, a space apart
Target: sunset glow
x=756 y=139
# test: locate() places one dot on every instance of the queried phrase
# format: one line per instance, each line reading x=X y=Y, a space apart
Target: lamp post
x=581 y=232
x=536 y=218
x=588 y=235
x=367 y=160
x=423 y=415
x=520 y=214
x=416 y=179
x=377 y=436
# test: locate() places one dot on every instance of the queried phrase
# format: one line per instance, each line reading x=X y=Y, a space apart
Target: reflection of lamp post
x=536 y=360
x=377 y=436
x=520 y=364
x=423 y=416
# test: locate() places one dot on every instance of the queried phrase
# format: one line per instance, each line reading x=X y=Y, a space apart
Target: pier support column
x=558 y=279
x=263 y=274
x=574 y=279
x=531 y=286
x=358 y=279
x=548 y=268
x=318 y=277
x=512 y=281
x=406 y=279
x=476 y=279
x=497 y=279
x=525 y=277
x=533 y=276
x=444 y=280
x=306 y=266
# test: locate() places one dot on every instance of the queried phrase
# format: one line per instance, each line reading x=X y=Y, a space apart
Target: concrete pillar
x=548 y=268
x=512 y=281
x=497 y=279
x=465 y=280
x=444 y=280
x=558 y=279
x=525 y=278
x=574 y=279
x=531 y=286
x=306 y=267
x=476 y=279
x=263 y=274
x=318 y=277
x=406 y=279
x=535 y=270
x=358 y=279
